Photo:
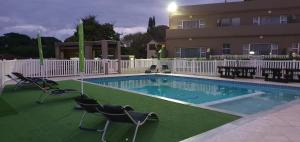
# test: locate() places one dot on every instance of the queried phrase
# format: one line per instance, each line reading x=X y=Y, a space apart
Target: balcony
x=240 y=31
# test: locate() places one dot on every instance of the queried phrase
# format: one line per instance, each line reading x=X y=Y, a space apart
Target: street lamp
x=172 y=10
x=172 y=7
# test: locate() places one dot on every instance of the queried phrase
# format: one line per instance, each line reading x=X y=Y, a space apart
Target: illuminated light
x=270 y=12
x=172 y=7
x=251 y=52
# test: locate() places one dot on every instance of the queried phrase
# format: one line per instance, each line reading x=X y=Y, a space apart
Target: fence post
x=1 y=76
x=193 y=66
x=75 y=64
x=215 y=73
x=174 y=65
x=46 y=68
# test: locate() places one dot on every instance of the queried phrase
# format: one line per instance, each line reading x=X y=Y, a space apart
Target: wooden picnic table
x=281 y=74
x=240 y=71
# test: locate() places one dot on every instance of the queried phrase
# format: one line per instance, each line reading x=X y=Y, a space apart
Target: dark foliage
x=22 y=46
x=94 y=31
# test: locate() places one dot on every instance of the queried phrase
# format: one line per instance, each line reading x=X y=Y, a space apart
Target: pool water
x=245 y=98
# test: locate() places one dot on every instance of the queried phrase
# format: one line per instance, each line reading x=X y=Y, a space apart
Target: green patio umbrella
x=162 y=53
x=40 y=46
x=81 y=52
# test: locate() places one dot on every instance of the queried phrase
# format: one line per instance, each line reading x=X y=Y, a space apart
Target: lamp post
x=172 y=9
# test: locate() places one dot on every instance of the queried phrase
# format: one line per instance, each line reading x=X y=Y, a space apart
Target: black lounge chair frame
x=89 y=106
x=152 y=69
x=165 y=69
x=49 y=90
x=21 y=80
x=120 y=114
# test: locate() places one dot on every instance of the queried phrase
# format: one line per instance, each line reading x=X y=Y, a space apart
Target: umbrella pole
x=81 y=76
x=77 y=106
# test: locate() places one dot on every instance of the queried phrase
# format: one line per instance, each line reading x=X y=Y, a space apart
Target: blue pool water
x=204 y=91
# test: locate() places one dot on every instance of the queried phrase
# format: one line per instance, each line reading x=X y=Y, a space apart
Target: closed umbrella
x=81 y=52
x=40 y=46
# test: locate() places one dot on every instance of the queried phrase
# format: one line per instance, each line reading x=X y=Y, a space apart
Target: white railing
x=258 y=57
x=210 y=67
x=137 y=65
x=59 y=68
x=56 y=68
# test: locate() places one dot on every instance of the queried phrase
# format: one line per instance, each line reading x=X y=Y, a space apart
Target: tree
x=138 y=44
x=94 y=31
x=49 y=46
x=22 y=46
x=158 y=33
x=151 y=24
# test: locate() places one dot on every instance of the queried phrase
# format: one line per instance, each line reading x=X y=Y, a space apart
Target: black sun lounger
x=90 y=106
x=165 y=69
x=152 y=69
x=121 y=115
x=22 y=80
x=50 y=91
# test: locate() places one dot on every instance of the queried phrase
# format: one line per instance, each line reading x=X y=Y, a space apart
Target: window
x=296 y=48
x=152 y=47
x=261 y=49
x=178 y=52
x=283 y=19
x=270 y=20
x=201 y=23
x=192 y=24
x=256 y=20
x=227 y=22
x=274 y=49
x=190 y=52
x=246 y=49
x=226 y=48
x=235 y=21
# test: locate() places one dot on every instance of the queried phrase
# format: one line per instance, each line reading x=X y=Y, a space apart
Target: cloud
x=61 y=33
x=25 y=28
x=32 y=30
x=130 y=30
x=4 y=19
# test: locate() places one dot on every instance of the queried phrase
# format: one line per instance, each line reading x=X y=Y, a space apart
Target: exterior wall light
x=172 y=7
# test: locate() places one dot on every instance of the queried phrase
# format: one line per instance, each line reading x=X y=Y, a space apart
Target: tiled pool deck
x=281 y=124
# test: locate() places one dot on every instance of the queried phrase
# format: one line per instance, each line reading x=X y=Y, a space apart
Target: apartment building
x=260 y=27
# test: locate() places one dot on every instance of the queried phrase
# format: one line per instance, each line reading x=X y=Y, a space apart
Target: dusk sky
x=59 y=17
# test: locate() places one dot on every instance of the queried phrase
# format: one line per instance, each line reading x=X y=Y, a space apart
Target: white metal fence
x=58 y=68
x=55 y=68
x=137 y=66
x=204 y=67
x=258 y=57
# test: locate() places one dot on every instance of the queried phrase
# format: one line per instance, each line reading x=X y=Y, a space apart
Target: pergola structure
x=104 y=49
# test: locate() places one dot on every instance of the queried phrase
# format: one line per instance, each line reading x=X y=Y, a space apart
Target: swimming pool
x=244 y=98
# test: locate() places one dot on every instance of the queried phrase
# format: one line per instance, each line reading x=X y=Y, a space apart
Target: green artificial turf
x=57 y=121
x=6 y=109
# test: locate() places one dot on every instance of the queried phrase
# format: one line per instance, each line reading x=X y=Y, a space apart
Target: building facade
x=104 y=49
x=260 y=27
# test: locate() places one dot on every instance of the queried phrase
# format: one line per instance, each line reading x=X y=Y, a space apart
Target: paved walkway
x=277 y=126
